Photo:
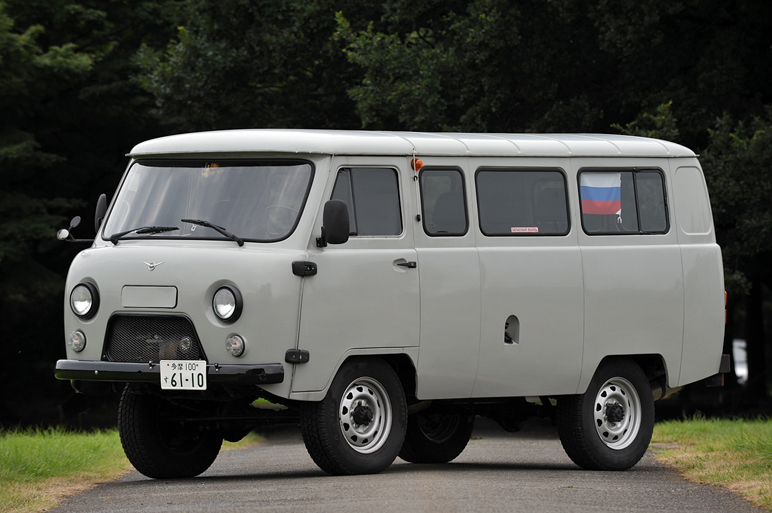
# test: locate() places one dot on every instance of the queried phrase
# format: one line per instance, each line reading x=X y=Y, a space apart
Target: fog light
x=77 y=341
x=235 y=345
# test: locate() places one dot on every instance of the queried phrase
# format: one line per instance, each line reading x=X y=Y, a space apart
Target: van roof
x=253 y=142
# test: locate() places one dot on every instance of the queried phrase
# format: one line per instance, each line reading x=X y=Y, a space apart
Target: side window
x=651 y=201
x=442 y=202
x=372 y=197
x=522 y=202
x=623 y=202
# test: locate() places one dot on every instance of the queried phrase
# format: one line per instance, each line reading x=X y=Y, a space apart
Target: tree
x=29 y=79
x=495 y=65
x=238 y=64
x=70 y=113
x=738 y=167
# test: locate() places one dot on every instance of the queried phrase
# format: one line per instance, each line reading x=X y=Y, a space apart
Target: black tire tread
x=138 y=430
x=317 y=440
x=570 y=430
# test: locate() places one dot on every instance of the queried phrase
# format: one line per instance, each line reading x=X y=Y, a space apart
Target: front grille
x=141 y=339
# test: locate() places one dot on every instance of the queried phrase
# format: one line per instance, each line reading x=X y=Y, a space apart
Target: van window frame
x=353 y=211
x=634 y=171
x=525 y=169
x=463 y=194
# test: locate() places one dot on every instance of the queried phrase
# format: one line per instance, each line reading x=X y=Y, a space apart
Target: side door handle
x=409 y=265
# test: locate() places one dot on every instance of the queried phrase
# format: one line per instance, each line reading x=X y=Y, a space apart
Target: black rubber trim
x=726 y=364
x=263 y=374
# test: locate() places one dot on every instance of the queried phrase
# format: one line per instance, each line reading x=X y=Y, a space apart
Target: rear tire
x=608 y=427
x=436 y=438
x=161 y=448
x=359 y=426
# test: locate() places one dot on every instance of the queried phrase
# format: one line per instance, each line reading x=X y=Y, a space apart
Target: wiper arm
x=201 y=222
x=114 y=238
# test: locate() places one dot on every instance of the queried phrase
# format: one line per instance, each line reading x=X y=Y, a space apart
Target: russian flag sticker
x=601 y=193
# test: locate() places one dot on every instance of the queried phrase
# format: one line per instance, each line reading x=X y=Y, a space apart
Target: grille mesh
x=151 y=339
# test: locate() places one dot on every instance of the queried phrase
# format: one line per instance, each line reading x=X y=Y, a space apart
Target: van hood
x=181 y=280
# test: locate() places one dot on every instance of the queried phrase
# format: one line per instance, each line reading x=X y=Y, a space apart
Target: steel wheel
x=617 y=413
x=365 y=415
x=438 y=428
x=609 y=426
x=359 y=426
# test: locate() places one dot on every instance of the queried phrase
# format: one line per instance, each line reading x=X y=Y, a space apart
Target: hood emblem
x=152 y=265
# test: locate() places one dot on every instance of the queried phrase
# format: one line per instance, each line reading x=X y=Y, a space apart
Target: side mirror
x=335 y=223
x=67 y=234
x=101 y=209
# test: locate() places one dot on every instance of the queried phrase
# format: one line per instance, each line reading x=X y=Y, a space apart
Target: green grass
x=736 y=454
x=38 y=468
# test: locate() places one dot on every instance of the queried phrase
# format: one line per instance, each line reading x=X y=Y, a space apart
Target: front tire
x=358 y=428
x=158 y=444
x=608 y=427
x=436 y=437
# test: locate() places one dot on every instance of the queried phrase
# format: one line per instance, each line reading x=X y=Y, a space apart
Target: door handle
x=409 y=265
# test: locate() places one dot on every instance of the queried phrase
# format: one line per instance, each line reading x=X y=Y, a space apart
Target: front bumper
x=216 y=374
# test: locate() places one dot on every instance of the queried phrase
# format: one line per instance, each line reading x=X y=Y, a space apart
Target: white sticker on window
x=525 y=229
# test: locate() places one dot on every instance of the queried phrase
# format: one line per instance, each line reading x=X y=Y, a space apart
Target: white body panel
x=384 y=313
x=538 y=280
x=575 y=298
x=701 y=260
x=449 y=269
x=633 y=289
x=271 y=294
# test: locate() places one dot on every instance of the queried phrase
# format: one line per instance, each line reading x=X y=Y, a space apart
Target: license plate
x=183 y=375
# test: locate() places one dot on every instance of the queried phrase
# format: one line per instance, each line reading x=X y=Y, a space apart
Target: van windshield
x=256 y=201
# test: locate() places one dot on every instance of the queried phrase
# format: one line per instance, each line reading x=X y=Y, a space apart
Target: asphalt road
x=522 y=472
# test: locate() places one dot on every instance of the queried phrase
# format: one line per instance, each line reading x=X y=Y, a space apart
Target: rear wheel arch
x=653 y=366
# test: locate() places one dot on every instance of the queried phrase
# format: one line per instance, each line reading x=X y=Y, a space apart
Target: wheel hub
x=362 y=415
x=615 y=413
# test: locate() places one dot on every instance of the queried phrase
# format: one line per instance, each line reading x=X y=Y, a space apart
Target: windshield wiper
x=220 y=229
x=114 y=238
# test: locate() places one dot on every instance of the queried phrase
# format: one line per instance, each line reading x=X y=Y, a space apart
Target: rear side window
x=372 y=197
x=442 y=202
x=623 y=202
x=522 y=202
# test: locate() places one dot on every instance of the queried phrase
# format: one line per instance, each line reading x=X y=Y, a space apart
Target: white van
x=387 y=288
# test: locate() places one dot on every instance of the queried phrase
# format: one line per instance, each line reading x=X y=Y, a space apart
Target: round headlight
x=235 y=345
x=227 y=303
x=77 y=341
x=84 y=300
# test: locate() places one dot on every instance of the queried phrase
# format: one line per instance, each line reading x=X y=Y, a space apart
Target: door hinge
x=303 y=268
x=296 y=356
